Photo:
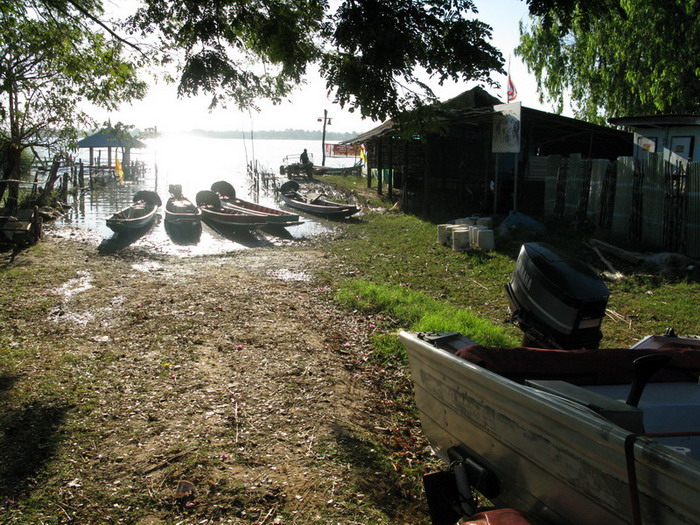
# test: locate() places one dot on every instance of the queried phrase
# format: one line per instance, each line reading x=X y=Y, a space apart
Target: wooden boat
x=216 y=214
x=550 y=434
x=138 y=216
x=354 y=171
x=179 y=210
x=275 y=217
x=314 y=203
x=20 y=227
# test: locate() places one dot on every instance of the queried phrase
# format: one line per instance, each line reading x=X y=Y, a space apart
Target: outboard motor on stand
x=557 y=301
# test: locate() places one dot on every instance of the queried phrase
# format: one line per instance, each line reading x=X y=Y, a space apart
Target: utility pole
x=325 y=120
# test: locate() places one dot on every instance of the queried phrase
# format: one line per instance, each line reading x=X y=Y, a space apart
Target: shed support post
x=380 y=166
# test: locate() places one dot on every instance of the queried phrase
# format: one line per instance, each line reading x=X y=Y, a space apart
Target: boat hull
x=274 y=216
x=133 y=218
x=553 y=459
x=231 y=220
x=181 y=212
x=323 y=207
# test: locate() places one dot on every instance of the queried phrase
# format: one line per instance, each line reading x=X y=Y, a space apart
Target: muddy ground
x=213 y=389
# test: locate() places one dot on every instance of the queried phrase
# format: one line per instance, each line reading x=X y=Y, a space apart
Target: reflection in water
x=213 y=160
x=249 y=239
x=119 y=241
x=184 y=234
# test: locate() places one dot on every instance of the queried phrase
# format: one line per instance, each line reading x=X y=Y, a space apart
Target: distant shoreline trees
x=287 y=134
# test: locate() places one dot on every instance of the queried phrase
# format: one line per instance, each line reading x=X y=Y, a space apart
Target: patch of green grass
x=416 y=311
x=394 y=267
x=399 y=253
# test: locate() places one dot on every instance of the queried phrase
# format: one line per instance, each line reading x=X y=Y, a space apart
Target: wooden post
x=369 y=166
x=515 y=183
x=426 y=172
x=390 y=187
x=323 y=139
x=81 y=174
x=64 y=184
x=496 y=183
x=404 y=175
x=380 y=166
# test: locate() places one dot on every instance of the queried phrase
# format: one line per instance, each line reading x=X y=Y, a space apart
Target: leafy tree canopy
x=639 y=58
x=368 y=50
x=52 y=58
x=49 y=64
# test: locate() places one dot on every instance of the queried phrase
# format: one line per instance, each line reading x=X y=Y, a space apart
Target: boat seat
x=623 y=415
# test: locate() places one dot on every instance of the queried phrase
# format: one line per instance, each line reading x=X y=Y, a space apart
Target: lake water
x=195 y=163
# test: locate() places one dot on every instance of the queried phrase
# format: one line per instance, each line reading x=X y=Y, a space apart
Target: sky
x=162 y=108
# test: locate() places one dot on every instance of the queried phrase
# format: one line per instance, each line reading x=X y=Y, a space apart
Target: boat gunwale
x=509 y=397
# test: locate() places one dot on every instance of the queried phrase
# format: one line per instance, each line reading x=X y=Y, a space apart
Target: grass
x=393 y=266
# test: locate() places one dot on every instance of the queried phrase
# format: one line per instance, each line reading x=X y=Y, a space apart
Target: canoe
x=275 y=217
x=179 y=210
x=551 y=434
x=138 y=216
x=314 y=203
x=216 y=214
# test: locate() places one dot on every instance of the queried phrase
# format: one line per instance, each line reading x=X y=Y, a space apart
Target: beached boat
x=314 y=203
x=565 y=433
x=551 y=435
x=179 y=210
x=216 y=214
x=138 y=216
x=275 y=217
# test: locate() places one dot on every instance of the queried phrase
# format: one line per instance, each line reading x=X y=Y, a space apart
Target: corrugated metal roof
x=382 y=129
x=108 y=139
x=654 y=121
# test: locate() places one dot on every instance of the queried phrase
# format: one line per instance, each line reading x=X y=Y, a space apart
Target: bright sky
x=163 y=109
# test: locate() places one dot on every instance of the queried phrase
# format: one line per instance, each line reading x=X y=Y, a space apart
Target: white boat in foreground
x=562 y=446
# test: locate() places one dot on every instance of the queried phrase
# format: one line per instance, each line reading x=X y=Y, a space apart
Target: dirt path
x=235 y=373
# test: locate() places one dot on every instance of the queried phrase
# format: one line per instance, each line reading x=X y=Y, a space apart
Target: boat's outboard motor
x=557 y=301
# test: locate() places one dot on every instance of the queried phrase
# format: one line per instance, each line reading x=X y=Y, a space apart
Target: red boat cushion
x=608 y=366
x=497 y=517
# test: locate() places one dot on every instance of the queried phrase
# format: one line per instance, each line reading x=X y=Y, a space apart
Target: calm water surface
x=195 y=163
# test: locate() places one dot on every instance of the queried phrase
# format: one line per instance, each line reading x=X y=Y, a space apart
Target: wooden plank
x=622 y=209
x=595 y=190
x=572 y=193
x=693 y=221
x=621 y=254
x=653 y=197
x=550 y=184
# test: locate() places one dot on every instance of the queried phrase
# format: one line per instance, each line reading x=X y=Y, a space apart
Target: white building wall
x=677 y=143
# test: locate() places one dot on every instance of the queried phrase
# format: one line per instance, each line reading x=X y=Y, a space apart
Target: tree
x=368 y=50
x=638 y=60
x=50 y=61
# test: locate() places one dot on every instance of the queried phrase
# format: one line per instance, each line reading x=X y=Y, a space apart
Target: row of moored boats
x=220 y=208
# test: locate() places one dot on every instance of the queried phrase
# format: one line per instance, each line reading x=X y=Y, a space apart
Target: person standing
x=306 y=164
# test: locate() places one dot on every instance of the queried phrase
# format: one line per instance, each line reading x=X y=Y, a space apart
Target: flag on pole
x=118 y=169
x=512 y=92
